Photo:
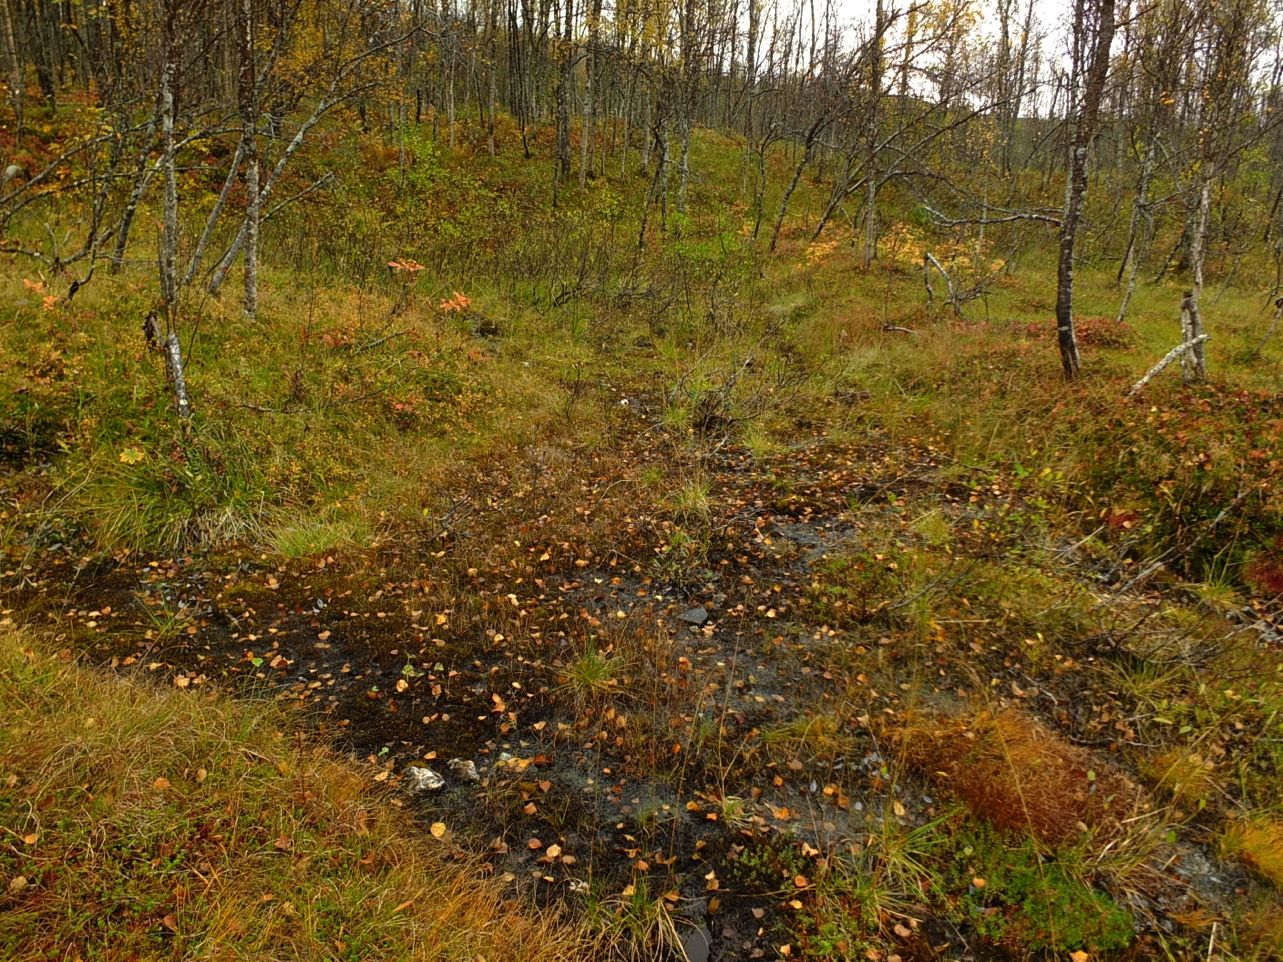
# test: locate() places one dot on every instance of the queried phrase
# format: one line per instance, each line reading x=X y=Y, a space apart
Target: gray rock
x=695 y=616
x=464 y=768
x=11 y=172
x=696 y=944
x=420 y=779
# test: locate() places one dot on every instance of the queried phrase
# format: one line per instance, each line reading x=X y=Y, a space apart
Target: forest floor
x=756 y=630
x=729 y=744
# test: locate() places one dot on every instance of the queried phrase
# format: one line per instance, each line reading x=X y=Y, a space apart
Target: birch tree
x=1092 y=36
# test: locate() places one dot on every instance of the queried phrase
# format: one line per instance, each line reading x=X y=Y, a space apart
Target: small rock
x=696 y=944
x=420 y=779
x=464 y=768
x=695 y=616
x=12 y=172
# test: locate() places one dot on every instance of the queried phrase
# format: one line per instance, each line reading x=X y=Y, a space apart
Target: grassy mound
x=1016 y=774
x=149 y=824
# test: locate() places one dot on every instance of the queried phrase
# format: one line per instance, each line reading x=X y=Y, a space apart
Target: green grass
x=290 y=418
x=635 y=925
x=312 y=537
x=591 y=675
x=1044 y=903
x=1002 y=886
x=163 y=622
x=359 y=390
x=689 y=502
x=358 y=413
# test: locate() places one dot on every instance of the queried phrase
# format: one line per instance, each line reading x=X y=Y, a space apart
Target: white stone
x=420 y=779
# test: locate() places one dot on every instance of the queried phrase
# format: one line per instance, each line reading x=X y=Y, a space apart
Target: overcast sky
x=1051 y=16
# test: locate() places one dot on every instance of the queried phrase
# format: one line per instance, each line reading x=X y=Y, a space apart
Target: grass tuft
x=313 y=537
x=591 y=675
x=690 y=502
x=1258 y=843
x=1186 y=775
x=634 y=926
x=1016 y=774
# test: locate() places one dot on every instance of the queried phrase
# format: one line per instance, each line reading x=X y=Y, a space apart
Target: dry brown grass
x=1258 y=843
x=1259 y=932
x=141 y=823
x=1187 y=776
x=1017 y=774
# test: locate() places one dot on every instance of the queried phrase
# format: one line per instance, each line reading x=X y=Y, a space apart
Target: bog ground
x=537 y=581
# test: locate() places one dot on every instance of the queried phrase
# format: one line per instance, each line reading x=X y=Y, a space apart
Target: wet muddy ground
x=470 y=650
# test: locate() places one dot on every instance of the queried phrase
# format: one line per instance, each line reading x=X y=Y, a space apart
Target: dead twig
x=372 y=344
x=929 y=261
x=1178 y=351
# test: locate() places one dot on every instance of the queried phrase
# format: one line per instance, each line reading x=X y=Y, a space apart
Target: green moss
x=1012 y=892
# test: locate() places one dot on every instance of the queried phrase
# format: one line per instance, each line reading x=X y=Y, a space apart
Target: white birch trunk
x=1139 y=211
x=16 y=91
x=252 y=215
x=254 y=197
x=174 y=362
x=229 y=257
x=1194 y=361
x=168 y=250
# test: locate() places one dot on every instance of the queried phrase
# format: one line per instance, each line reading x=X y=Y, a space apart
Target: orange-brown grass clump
x=1258 y=843
x=1018 y=775
x=1098 y=331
